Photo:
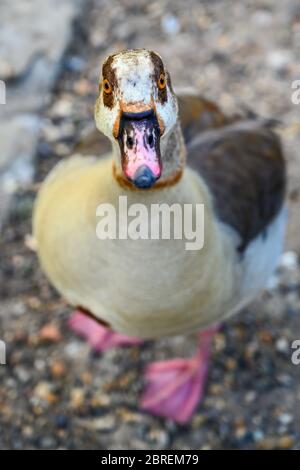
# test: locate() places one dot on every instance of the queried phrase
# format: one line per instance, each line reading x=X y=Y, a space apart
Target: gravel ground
x=55 y=393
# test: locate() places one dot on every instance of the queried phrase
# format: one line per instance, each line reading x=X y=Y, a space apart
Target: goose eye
x=107 y=88
x=162 y=82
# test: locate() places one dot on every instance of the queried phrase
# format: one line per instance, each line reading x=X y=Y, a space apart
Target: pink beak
x=139 y=138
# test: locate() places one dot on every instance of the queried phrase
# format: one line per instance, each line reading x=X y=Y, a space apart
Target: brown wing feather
x=244 y=168
x=198 y=114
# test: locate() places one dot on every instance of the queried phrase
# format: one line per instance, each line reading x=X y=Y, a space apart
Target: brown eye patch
x=109 y=82
x=159 y=77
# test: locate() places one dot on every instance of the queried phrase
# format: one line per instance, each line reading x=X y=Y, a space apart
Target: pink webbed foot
x=99 y=337
x=174 y=388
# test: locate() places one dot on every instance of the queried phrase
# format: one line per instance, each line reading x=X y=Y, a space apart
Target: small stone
x=170 y=24
x=61 y=421
x=44 y=391
x=159 y=438
x=231 y=363
x=105 y=423
x=27 y=431
x=48 y=442
x=86 y=377
x=215 y=389
x=286 y=442
x=50 y=333
x=219 y=342
x=250 y=396
x=258 y=435
x=75 y=64
x=262 y=18
x=289 y=260
x=130 y=416
x=268 y=443
x=284 y=379
x=285 y=418
x=33 y=302
x=241 y=432
x=22 y=374
x=62 y=108
x=282 y=345
x=77 y=397
x=30 y=242
x=82 y=87
x=279 y=59
x=20 y=337
x=40 y=365
x=101 y=400
x=58 y=369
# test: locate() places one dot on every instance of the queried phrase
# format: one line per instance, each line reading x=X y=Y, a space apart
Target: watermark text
x=2 y=92
x=155 y=221
x=2 y=353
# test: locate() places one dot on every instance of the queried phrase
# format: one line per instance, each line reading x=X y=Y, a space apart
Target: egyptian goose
x=150 y=288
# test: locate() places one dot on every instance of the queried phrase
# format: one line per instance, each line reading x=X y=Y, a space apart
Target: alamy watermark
x=2 y=353
x=2 y=92
x=296 y=94
x=157 y=221
x=296 y=353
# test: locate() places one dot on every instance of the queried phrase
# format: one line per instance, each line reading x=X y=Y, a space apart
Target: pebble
x=44 y=391
x=129 y=416
x=77 y=397
x=250 y=396
x=40 y=365
x=48 y=442
x=62 y=108
x=219 y=342
x=23 y=374
x=61 y=421
x=258 y=435
x=159 y=438
x=30 y=242
x=50 y=333
x=285 y=418
x=105 y=423
x=58 y=369
x=27 y=431
x=74 y=64
x=262 y=18
x=74 y=349
x=170 y=24
x=284 y=379
x=289 y=260
x=282 y=345
x=82 y=87
x=240 y=432
x=286 y=442
x=279 y=59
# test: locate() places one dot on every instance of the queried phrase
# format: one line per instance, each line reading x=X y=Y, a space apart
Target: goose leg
x=174 y=388
x=99 y=337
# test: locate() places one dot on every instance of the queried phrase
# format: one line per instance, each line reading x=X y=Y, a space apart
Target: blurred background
x=54 y=392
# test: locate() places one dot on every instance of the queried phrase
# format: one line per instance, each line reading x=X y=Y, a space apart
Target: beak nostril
x=129 y=142
x=150 y=140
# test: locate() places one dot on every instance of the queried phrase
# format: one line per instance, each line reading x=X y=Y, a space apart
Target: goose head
x=136 y=109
